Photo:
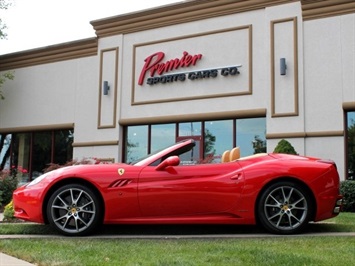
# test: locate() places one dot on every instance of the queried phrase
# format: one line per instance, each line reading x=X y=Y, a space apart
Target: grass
x=279 y=251
x=102 y=250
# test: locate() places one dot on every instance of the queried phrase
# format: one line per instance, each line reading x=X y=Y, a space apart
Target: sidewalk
x=6 y=260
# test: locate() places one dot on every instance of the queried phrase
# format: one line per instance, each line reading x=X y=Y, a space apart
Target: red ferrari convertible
x=278 y=191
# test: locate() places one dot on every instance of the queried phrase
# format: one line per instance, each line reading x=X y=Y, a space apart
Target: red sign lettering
x=154 y=66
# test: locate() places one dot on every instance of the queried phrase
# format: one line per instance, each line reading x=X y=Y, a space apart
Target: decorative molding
x=194 y=117
x=36 y=128
x=96 y=143
x=177 y=13
x=249 y=87
x=181 y=12
x=113 y=90
x=106 y=160
x=295 y=66
x=49 y=54
x=349 y=106
x=318 y=134
x=316 y=9
x=188 y=11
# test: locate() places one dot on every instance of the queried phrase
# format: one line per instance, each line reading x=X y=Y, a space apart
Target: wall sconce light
x=105 y=88
x=283 y=66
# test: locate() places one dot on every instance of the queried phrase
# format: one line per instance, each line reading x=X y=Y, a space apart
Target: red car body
x=282 y=192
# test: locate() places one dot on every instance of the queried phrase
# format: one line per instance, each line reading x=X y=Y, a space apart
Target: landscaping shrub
x=284 y=147
x=8 y=183
x=9 y=212
x=347 y=189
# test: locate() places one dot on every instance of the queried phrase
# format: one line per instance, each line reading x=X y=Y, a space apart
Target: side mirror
x=170 y=161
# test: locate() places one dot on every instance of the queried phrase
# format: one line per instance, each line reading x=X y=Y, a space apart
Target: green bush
x=284 y=147
x=347 y=189
x=8 y=183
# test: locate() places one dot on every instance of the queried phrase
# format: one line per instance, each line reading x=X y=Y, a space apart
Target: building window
x=350 y=144
x=30 y=153
x=251 y=135
x=212 y=138
x=218 y=138
x=136 y=144
x=162 y=135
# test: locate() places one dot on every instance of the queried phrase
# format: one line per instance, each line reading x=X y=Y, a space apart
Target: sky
x=39 y=23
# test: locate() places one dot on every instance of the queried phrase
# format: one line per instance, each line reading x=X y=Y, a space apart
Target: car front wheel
x=284 y=208
x=74 y=210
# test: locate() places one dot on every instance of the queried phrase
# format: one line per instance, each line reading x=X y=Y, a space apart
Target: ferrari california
x=280 y=192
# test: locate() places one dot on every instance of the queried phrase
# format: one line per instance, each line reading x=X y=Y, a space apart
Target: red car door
x=189 y=190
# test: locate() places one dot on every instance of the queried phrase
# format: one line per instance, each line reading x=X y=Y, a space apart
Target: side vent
x=120 y=183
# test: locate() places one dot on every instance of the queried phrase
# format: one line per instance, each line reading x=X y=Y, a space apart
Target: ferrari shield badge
x=120 y=171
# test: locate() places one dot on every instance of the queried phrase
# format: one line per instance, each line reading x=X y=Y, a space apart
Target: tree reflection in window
x=351 y=145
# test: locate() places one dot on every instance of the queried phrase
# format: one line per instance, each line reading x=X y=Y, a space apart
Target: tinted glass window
x=190 y=129
x=136 y=143
x=251 y=135
x=218 y=138
x=28 y=154
x=162 y=136
x=350 y=145
x=63 y=141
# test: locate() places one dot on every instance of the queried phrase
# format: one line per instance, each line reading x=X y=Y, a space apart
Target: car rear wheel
x=74 y=210
x=284 y=208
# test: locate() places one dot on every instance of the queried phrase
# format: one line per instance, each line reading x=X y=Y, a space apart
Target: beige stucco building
x=196 y=64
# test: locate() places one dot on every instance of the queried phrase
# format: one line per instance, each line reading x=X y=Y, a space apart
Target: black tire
x=284 y=208
x=74 y=210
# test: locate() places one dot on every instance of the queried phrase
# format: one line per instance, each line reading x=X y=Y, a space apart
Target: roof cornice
x=315 y=9
x=49 y=54
x=181 y=12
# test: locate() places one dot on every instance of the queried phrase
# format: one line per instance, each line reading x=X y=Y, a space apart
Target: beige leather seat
x=234 y=154
x=225 y=156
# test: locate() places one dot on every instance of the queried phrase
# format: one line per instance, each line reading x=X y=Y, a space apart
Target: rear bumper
x=338 y=205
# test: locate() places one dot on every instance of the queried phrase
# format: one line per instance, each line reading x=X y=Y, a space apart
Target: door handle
x=237 y=176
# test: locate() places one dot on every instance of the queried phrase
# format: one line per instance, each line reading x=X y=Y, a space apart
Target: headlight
x=37 y=180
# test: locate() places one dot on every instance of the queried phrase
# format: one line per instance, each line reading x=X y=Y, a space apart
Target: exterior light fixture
x=105 y=88
x=283 y=66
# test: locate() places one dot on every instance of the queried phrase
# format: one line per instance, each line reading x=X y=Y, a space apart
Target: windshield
x=147 y=156
x=158 y=156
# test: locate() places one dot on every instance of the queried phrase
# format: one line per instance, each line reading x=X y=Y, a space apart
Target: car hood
x=81 y=170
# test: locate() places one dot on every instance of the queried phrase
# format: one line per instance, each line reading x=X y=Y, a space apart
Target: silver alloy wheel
x=73 y=210
x=286 y=208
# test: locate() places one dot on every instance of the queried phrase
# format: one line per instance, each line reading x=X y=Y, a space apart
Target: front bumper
x=28 y=204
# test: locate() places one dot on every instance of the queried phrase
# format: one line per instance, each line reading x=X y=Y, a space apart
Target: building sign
x=158 y=70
